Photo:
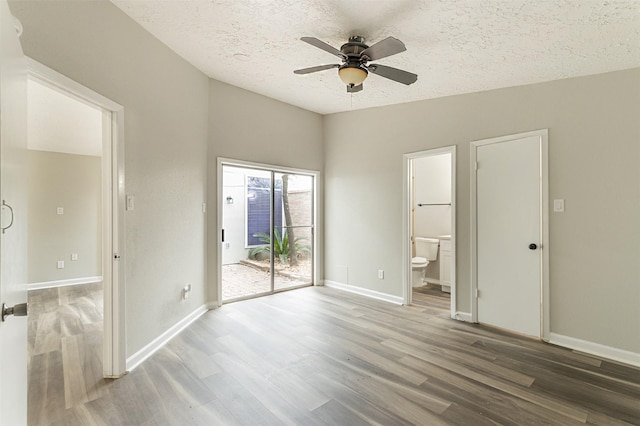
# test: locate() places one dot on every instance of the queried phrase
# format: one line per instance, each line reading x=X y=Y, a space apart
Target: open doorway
x=267 y=227
x=65 y=279
x=430 y=229
x=75 y=169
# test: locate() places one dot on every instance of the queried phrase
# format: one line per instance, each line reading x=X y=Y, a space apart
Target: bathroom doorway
x=429 y=228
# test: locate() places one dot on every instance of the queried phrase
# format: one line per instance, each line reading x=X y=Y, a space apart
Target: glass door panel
x=267 y=231
x=294 y=231
x=246 y=232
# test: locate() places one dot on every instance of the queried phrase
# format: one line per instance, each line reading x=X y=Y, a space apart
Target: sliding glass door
x=267 y=234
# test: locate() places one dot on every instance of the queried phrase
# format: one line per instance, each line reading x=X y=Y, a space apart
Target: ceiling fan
x=355 y=55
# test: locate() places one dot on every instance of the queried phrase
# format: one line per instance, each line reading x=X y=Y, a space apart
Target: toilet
x=426 y=251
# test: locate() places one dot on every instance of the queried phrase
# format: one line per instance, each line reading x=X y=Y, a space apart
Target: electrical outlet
x=380 y=274
x=60 y=264
x=74 y=256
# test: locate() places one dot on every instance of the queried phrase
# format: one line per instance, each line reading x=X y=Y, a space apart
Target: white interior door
x=508 y=225
x=13 y=241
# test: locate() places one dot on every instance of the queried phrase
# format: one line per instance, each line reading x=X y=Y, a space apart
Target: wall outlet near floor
x=380 y=274
x=74 y=256
x=186 y=292
x=60 y=264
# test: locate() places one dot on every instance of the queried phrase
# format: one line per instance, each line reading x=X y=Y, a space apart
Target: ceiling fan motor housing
x=353 y=48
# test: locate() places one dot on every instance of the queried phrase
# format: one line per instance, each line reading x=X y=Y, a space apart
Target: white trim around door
x=407 y=228
x=114 y=351
x=544 y=223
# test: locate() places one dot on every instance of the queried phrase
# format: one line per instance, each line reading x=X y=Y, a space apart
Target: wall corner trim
x=63 y=283
x=615 y=354
x=136 y=359
x=364 y=292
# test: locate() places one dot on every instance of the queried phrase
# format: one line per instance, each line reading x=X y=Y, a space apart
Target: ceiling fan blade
x=316 y=69
x=324 y=46
x=354 y=89
x=387 y=47
x=394 y=74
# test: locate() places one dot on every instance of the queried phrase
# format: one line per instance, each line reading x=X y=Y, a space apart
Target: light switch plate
x=60 y=210
x=60 y=264
x=74 y=256
x=130 y=202
x=558 y=206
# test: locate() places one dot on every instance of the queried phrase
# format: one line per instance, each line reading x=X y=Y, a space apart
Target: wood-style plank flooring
x=320 y=356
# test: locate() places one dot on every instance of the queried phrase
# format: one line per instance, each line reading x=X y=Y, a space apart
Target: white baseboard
x=365 y=292
x=136 y=359
x=463 y=316
x=620 y=355
x=63 y=283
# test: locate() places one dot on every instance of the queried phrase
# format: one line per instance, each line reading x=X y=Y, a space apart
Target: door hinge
x=477 y=293
x=475 y=166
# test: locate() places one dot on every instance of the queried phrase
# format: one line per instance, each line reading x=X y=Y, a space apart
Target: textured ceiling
x=455 y=46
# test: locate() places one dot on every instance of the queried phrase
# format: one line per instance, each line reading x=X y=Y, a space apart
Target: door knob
x=532 y=246
x=19 y=310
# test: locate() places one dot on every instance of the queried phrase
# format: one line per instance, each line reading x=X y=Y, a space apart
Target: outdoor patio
x=248 y=278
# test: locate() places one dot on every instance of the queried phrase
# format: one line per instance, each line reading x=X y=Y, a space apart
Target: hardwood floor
x=319 y=356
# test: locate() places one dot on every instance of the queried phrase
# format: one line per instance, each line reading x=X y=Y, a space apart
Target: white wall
x=593 y=158
x=165 y=101
x=251 y=127
x=74 y=183
x=432 y=184
x=234 y=217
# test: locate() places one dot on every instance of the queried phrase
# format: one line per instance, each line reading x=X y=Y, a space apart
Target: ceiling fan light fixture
x=352 y=76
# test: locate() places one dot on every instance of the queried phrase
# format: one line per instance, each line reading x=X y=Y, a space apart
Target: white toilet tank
x=427 y=248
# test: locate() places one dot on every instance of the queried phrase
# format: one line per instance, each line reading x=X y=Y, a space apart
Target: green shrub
x=280 y=245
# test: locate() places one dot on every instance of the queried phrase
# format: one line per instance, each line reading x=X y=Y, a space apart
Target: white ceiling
x=58 y=122
x=455 y=46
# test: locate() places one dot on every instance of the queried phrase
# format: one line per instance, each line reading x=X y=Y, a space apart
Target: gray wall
x=166 y=102
x=251 y=127
x=593 y=157
x=73 y=182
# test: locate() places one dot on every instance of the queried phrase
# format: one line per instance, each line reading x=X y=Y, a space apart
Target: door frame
x=113 y=196
x=316 y=206
x=543 y=134
x=406 y=222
